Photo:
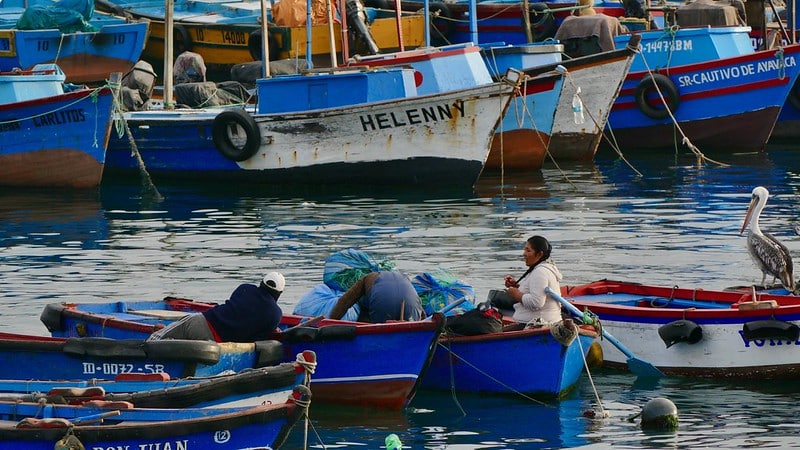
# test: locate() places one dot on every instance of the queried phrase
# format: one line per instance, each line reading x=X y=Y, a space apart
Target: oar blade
x=644 y=369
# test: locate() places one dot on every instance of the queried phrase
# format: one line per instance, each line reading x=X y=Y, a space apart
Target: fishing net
x=437 y=291
x=344 y=268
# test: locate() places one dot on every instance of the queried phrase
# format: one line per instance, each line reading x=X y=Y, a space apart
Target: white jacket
x=535 y=302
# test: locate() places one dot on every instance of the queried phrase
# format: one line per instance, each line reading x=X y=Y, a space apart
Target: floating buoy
x=659 y=414
x=594 y=357
x=393 y=442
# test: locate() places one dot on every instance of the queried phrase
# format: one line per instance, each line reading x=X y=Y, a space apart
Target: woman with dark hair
x=531 y=303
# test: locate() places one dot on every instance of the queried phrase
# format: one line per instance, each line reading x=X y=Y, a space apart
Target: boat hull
x=57 y=141
x=359 y=377
x=263 y=426
x=729 y=104
x=522 y=139
x=734 y=342
x=87 y=57
x=544 y=367
x=376 y=143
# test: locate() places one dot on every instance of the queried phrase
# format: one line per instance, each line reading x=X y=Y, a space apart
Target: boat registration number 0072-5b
x=90 y=368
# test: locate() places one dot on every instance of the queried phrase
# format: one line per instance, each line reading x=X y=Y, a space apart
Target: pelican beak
x=747 y=215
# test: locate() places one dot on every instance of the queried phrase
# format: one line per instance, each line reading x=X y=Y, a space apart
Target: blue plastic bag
x=320 y=300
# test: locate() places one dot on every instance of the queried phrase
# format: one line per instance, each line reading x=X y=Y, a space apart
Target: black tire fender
x=647 y=87
x=542 y=22
x=224 y=140
x=254 y=46
x=181 y=39
x=442 y=24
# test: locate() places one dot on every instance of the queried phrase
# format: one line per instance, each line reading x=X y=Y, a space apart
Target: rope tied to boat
x=309 y=366
x=685 y=139
x=564 y=332
x=781 y=57
x=121 y=126
x=69 y=442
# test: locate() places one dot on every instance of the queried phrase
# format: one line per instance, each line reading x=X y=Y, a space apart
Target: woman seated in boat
x=381 y=296
x=531 y=303
x=251 y=314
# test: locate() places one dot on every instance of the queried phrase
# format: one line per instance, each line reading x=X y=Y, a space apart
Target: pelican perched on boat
x=770 y=255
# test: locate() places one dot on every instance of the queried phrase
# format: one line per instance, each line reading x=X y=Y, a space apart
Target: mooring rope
x=121 y=125
x=684 y=139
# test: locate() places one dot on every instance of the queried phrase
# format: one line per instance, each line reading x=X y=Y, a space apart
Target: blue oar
x=638 y=366
x=449 y=307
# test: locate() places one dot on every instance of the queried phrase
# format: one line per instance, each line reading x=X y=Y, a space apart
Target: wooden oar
x=638 y=366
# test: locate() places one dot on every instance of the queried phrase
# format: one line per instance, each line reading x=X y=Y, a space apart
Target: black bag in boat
x=500 y=299
x=482 y=320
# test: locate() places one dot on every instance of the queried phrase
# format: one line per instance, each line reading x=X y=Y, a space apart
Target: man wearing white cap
x=251 y=314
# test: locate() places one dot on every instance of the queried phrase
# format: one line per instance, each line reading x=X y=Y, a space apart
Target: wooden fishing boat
x=548 y=361
x=249 y=387
x=360 y=377
x=119 y=425
x=521 y=140
x=727 y=103
x=52 y=138
x=696 y=332
x=359 y=127
x=593 y=81
x=86 y=55
x=226 y=33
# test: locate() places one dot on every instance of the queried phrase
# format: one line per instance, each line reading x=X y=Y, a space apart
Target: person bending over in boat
x=531 y=303
x=381 y=296
x=251 y=314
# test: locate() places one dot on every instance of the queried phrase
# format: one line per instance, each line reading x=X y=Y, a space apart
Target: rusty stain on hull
x=518 y=150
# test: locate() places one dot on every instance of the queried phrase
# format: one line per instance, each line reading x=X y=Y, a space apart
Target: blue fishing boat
x=360 y=376
x=88 y=46
x=547 y=361
x=249 y=387
x=721 y=102
x=117 y=425
x=52 y=137
x=42 y=357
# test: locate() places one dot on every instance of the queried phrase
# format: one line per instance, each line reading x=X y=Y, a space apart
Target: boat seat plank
x=159 y=313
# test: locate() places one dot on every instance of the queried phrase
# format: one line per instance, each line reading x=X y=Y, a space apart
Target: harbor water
x=656 y=219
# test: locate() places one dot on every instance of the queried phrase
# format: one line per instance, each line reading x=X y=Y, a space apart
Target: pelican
x=770 y=255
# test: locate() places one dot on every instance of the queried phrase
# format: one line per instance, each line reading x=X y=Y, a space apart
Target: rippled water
x=676 y=224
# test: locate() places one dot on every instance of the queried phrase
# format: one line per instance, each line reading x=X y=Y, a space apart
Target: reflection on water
x=676 y=223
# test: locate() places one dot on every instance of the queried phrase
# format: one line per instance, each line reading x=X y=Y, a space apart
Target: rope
x=603 y=412
x=121 y=125
x=309 y=366
x=452 y=385
x=685 y=139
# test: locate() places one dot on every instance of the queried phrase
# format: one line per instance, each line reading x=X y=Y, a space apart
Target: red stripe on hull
x=748 y=131
x=518 y=150
x=50 y=168
x=384 y=394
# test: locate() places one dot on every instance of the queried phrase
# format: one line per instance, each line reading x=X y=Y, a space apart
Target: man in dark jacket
x=251 y=314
